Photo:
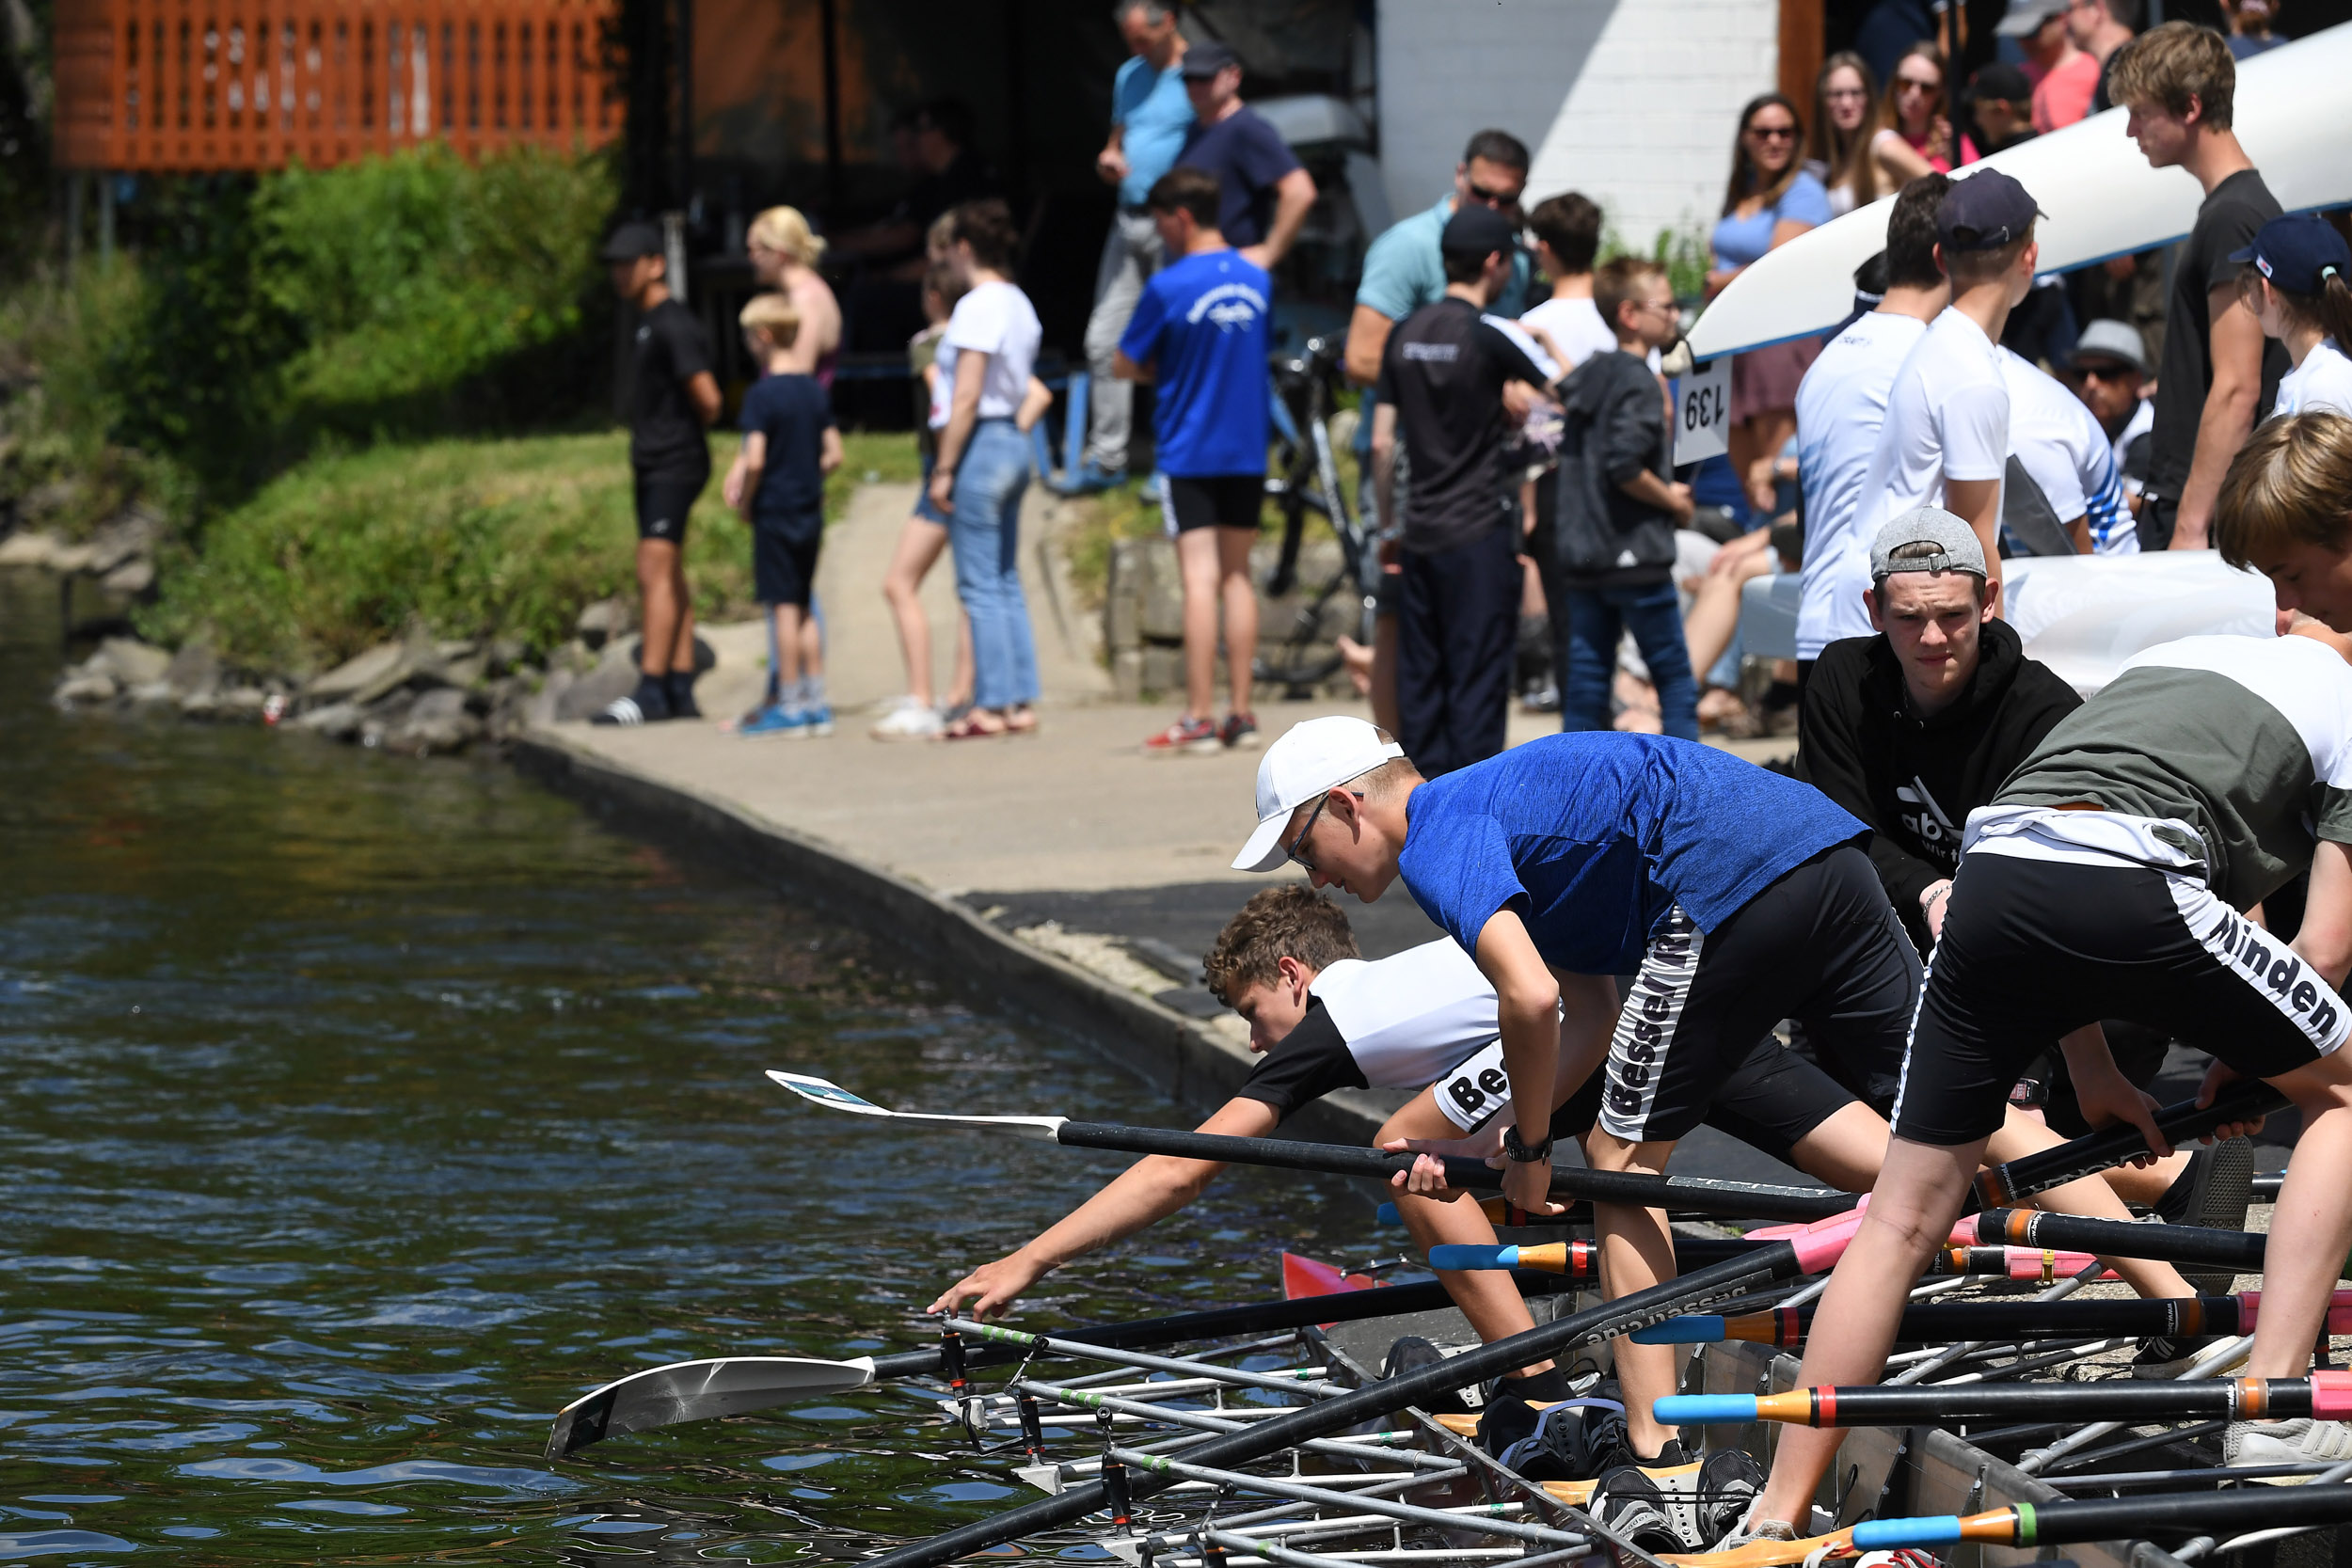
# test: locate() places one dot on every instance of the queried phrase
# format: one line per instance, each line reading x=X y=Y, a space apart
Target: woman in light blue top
x=1771 y=199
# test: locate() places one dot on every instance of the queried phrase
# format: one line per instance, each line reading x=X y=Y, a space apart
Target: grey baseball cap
x=1957 y=548
x=2024 y=18
x=2106 y=339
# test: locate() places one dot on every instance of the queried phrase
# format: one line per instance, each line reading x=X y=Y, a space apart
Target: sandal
x=973 y=727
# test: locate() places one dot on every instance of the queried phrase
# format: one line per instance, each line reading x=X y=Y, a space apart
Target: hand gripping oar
x=1774 y=1262
x=2060 y=1523
x=2243 y=1100
x=1785 y=1326
x=735 y=1386
x=2325 y=1394
x=1741 y=1200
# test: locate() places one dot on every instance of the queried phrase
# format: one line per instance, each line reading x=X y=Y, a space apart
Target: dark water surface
x=358 y=1112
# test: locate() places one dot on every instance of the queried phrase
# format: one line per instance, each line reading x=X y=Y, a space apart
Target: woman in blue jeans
x=983 y=466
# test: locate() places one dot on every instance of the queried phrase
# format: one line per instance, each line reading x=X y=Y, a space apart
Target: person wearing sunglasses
x=1914 y=136
x=2107 y=370
x=1403 y=270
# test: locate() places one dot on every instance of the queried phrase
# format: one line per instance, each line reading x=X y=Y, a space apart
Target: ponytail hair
x=2329 y=309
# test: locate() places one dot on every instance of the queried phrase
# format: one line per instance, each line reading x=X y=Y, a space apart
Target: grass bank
x=506 y=538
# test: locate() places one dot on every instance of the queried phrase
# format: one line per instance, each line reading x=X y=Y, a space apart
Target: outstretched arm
x=1146 y=1193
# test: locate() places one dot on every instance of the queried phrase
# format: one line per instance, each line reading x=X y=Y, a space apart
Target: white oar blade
x=820 y=1091
x=698 y=1391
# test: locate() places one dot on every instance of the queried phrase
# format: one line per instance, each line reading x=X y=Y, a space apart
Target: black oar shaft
x=1736 y=1198
x=2214 y=1513
x=1776 y=1260
x=2089 y=1155
x=2169 y=1243
x=2078 y=1320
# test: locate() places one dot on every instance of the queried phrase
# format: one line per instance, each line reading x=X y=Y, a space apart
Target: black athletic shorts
x=1221 y=500
x=2035 y=948
x=1769 y=1101
x=1821 y=946
x=664 y=496
x=784 y=559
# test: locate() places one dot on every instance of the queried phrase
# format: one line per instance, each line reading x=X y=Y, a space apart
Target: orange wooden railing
x=191 y=84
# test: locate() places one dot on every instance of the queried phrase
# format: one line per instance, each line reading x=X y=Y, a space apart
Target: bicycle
x=1305 y=478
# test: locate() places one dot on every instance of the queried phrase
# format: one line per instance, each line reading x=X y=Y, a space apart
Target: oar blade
x=833 y=1096
x=698 y=1391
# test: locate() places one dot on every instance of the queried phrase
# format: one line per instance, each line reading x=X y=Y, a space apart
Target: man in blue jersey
x=1736 y=898
x=1150 y=115
x=1201 y=332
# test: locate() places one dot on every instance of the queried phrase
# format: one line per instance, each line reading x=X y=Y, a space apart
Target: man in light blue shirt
x=1402 y=271
x=1150 y=115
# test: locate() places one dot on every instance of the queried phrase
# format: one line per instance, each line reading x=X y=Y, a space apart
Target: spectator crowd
x=1535 y=538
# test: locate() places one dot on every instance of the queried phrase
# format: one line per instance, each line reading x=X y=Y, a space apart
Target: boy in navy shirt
x=1736 y=898
x=790 y=445
x=1201 y=332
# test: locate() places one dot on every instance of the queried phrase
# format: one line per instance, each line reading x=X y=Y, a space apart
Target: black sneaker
x=2168 y=1356
x=2211 y=1192
x=681 y=690
x=1413 y=1353
x=648 y=704
x=1632 y=1506
x=1727 y=1488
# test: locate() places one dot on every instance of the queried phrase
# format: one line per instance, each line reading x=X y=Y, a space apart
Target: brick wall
x=1631 y=102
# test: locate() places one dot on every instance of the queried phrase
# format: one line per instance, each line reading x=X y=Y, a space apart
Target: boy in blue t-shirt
x=790 y=445
x=1736 y=896
x=1201 y=333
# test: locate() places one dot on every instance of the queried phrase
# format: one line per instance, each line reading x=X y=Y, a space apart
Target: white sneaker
x=2296 y=1442
x=909 y=720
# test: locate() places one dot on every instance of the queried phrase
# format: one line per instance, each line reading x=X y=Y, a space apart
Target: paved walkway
x=1071 y=839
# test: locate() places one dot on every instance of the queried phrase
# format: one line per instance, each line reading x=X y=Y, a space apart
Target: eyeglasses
x=2105 y=372
x=1840 y=95
x=1665 y=305
x=1296 y=849
x=1480 y=194
x=1773 y=132
x=1917 y=83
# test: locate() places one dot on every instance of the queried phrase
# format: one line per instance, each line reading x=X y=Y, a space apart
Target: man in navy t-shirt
x=1201 y=332
x=1736 y=896
x=1265 y=193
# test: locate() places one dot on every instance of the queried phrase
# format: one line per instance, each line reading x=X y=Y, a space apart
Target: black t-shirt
x=1443 y=372
x=1307 y=1064
x=2226 y=221
x=1248 y=156
x=663 y=429
x=793 y=413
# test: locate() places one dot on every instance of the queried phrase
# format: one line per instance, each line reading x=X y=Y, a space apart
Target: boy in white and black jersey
x=1327 y=1020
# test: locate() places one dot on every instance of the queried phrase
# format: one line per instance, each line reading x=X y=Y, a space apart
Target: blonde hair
x=783 y=231
x=1890 y=116
x=2291 y=484
x=772 y=316
x=2169 y=66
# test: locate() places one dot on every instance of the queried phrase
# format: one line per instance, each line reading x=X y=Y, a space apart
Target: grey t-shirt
x=2247 y=739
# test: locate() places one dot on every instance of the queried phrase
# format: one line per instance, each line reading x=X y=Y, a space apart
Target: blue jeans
x=985 y=533
x=1598 y=620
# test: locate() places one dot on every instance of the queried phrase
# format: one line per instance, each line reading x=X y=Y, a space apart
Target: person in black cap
x=1266 y=194
x=2299 y=280
x=1442 y=379
x=1946 y=439
x=2000 y=100
x=673 y=400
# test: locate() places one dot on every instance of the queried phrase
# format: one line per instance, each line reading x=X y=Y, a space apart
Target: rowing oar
x=1785 y=1326
x=2325 y=1394
x=1765 y=1265
x=2010 y=1263
x=738 y=1385
x=2059 y=1524
x=1736 y=1199
x=2165 y=1243
x=2246 y=1100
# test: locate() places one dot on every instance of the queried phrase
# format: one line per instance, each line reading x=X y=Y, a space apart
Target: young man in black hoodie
x=1916 y=727
x=1618 y=507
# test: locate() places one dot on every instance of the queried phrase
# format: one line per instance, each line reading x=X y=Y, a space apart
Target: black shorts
x=2033 y=949
x=1769 y=1101
x=1821 y=946
x=784 y=561
x=1221 y=500
x=664 y=498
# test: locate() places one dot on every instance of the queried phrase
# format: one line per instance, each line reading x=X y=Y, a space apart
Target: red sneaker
x=1186 y=734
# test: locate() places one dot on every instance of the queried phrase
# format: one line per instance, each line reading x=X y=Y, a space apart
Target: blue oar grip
x=1692 y=1328
x=1703 y=1409
x=1464 y=1256
x=1931 y=1531
x=1388 y=1215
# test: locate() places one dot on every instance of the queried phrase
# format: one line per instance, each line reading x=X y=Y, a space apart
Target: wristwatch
x=1520 y=1153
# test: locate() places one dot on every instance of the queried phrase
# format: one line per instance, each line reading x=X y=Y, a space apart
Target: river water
x=358 y=1112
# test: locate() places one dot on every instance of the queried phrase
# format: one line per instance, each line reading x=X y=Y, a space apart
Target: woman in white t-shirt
x=2296 y=281
x=983 y=466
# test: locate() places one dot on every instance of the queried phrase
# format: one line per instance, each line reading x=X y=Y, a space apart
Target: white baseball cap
x=1315 y=755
